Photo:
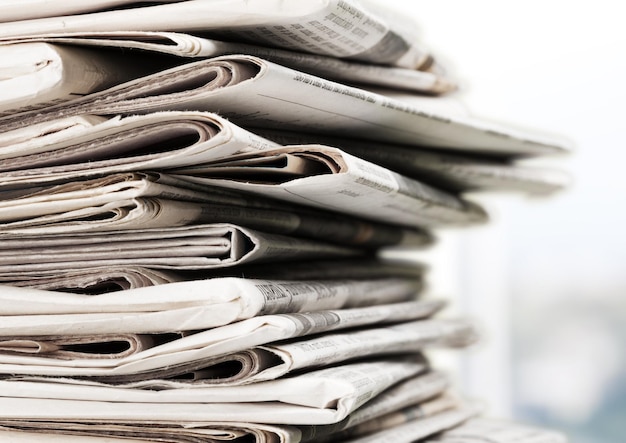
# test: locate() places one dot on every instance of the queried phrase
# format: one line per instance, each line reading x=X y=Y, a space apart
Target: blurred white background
x=547 y=277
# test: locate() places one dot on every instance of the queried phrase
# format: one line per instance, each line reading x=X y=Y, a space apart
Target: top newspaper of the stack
x=339 y=28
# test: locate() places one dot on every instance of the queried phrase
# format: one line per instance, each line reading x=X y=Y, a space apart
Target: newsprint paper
x=254 y=92
x=188 y=305
x=338 y=28
x=193 y=46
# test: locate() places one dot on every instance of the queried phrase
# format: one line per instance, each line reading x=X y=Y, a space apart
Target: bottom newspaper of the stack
x=314 y=358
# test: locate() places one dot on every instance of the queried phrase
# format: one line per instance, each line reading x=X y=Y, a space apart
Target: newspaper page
x=188 y=305
x=429 y=408
x=261 y=364
x=187 y=45
x=13 y=10
x=184 y=248
x=88 y=145
x=34 y=432
x=92 y=280
x=153 y=200
x=232 y=431
x=273 y=361
x=23 y=431
x=97 y=280
x=357 y=267
x=418 y=429
x=253 y=92
x=411 y=392
x=38 y=74
x=444 y=170
x=248 y=365
x=332 y=179
x=481 y=429
x=338 y=28
x=317 y=397
x=171 y=354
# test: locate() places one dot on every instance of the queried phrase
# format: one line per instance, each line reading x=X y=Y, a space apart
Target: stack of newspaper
x=192 y=198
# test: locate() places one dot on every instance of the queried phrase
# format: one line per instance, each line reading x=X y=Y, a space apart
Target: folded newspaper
x=205 y=432
x=339 y=28
x=421 y=393
x=13 y=10
x=327 y=178
x=480 y=429
x=193 y=46
x=99 y=280
x=153 y=362
x=131 y=201
x=92 y=280
x=253 y=92
x=89 y=144
x=187 y=305
x=37 y=74
x=451 y=171
x=183 y=248
x=318 y=397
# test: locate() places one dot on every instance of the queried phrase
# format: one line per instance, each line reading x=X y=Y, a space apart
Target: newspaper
x=23 y=431
x=418 y=389
x=64 y=347
x=277 y=360
x=187 y=45
x=455 y=172
x=12 y=10
x=356 y=267
x=99 y=280
x=223 y=340
x=253 y=92
x=414 y=392
x=38 y=74
x=317 y=397
x=417 y=429
x=92 y=280
x=480 y=429
x=158 y=360
x=183 y=248
x=410 y=202
x=327 y=178
x=187 y=305
x=422 y=410
x=474 y=430
x=338 y=28
x=131 y=201
x=248 y=364
x=86 y=144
